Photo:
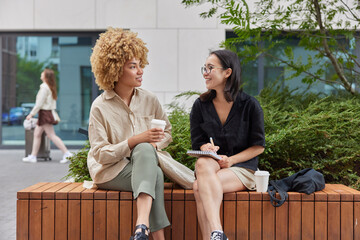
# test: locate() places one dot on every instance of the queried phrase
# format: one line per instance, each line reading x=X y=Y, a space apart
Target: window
x=23 y=58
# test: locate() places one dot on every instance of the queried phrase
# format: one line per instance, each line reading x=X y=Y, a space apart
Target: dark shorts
x=46 y=117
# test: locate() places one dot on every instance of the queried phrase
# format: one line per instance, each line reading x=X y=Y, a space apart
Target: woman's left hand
x=28 y=117
x=225 y=161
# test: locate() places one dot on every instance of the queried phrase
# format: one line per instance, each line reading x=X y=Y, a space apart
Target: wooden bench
x=47 y=211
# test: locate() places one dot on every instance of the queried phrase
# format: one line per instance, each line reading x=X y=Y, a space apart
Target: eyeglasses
x=208 y=70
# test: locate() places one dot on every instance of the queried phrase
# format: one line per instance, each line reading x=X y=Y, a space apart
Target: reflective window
x=267 y=71
x=23 y=58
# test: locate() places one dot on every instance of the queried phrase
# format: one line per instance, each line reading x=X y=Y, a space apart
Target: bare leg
x=210 y=191
x=143 y=203
x=37 y=140
x=229 y=181
x=158 y=235
x=50 y=133
x=204 y=223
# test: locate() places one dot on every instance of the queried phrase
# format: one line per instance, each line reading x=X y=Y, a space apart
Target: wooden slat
x=48 y=219
x=61 y=219
x=178 y=209
x=356 y=220
x=37 y=193
x=25 y=193
x=50 y=192
x=190 y=216
x=134 y=215
x=255 y=217
x=334 y=220
x=345 y=195
x=347 y=218
x=74 y=216
x=76 y=192
x=22 y=219
x=100 y=214
x=63 y=193
x=242 y=215
x=333 y=213
x=282 y=215
x=88 y=194
x=125 y=222
x=113 y=195
x=331 y=195
x=35 y=220
x=268 y=221
x=100 y=194
x=307 y=220
x=294 y=216
x=230 y=219
x=356 y=193
x=87 y=216
x=321 y=220
x=112 y=219
x=168 y=207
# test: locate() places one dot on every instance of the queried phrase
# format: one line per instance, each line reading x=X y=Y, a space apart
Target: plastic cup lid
x=158 y=121
x=262 y=173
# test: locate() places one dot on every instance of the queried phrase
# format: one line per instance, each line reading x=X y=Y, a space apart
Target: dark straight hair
x=228 y=59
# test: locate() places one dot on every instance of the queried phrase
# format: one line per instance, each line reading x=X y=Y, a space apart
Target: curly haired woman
x=123 y=147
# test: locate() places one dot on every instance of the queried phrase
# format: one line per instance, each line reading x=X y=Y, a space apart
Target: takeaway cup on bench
x=157 y=123
x=262 y=180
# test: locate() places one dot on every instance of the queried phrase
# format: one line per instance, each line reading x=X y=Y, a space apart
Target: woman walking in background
x=235 y=123
x=45 y=103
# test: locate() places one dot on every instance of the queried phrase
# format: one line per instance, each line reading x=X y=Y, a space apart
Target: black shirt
x=244 y=127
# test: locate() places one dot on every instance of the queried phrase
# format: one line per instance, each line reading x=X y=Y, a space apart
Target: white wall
x=178 y=39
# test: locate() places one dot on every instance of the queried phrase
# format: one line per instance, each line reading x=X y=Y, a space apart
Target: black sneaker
x=218 y=235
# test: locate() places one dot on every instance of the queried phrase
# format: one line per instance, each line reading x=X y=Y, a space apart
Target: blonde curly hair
x=113 y=48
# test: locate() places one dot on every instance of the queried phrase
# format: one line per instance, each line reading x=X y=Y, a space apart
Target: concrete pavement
x=16 y=175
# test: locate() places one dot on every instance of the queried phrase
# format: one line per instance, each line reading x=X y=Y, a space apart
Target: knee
x=202 y=166
x=195 y=188
x=143 y=147
x=144 y=152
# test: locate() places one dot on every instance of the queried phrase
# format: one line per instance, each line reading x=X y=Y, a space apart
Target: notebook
x=195 y=153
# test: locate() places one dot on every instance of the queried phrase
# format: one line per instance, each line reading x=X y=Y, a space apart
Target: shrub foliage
x=302 y=130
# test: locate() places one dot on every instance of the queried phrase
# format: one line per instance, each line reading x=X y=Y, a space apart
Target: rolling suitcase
x=44 y=150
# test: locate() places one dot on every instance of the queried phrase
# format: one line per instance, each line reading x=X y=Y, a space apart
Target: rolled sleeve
x=103 y=151
x=198 y=136
x=257 y=131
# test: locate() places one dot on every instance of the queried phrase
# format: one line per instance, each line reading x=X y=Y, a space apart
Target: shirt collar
x=109 y=94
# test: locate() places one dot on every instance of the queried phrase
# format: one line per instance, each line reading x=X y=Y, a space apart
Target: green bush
x=311 y=131
x=302 y=130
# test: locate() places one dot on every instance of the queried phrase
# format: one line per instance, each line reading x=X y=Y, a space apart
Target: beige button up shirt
x=112 y=123
x=44 y=100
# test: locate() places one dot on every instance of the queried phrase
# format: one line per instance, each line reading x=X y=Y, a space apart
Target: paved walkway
x=16 y=175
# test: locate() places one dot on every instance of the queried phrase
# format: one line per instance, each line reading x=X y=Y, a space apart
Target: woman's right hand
x=151 y=136
x=209 y=147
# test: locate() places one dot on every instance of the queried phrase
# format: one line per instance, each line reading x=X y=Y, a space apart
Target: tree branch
x=328 y=53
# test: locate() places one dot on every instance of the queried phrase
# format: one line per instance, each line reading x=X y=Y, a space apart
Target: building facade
x=60 y=34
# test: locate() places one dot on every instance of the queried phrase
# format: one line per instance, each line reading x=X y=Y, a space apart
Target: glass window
x=23 y=58
x=266 y=71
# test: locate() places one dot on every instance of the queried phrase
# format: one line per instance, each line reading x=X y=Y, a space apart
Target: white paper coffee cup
x=157 y=123
x=262 y=180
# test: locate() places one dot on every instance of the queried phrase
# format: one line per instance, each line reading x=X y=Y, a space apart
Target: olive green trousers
x=142 y=175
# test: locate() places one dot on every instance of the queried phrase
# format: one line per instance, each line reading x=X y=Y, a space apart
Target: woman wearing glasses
x=234 y=120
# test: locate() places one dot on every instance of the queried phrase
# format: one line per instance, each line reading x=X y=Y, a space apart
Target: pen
x=212 y=142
